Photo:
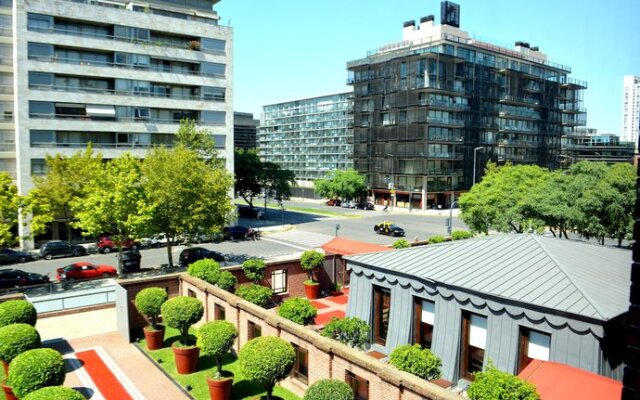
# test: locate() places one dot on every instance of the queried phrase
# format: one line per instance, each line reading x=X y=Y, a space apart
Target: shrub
x=461 y=235
x=17 y=312
x=298 y=310
x=55 y=393
x=311 y=260
x=417 y=361
x=436 y=239
x=16 y=339
x=351 y=331
x=216 y=338
x=35 y=369
x=494 y=384
x=256 y=294
x=207 y=270
x=227 y=281
x=267 y=359
x=253 y=269
x=180 y=313
x=149 y=302
x=401 y=244
x=329 y=389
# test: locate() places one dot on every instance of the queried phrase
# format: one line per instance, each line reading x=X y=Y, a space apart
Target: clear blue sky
x=291 y=49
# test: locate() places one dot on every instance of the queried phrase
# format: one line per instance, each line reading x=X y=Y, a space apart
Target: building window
x=424 y=317
x=381 y=308
x=219 y=312
x=360 y=386
x=533 y=345
x=473 y=344
x=279 y=281
x=301 y=366
x=191 y=293
x=38 y=167
x=254 y=330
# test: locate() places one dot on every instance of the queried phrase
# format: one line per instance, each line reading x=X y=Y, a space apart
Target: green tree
x=267 y=359
x=416 y=360
x=347 y=184
x=329 y=389
x=216 y=339
x=253 y=269
x=199 y=140
x=620 y=200
x=188 y=195
x=588 y=189
x=352 y=331
x=254 y=176
x=492 y=384
x=552 y=205
x=9 y=208
x=276 y=181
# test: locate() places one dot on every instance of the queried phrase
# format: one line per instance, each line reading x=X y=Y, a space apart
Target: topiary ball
x=227 y=281
x=329 y=389
x=298 y=310
x=35 y=369
x=207 y=270
x=17 y=312
x=149 y=301
x=181 y=312
x=267 y=359
x=416 y=360
x=216 y=338
x=256 y=294
x=55 y=393
x=16 y=339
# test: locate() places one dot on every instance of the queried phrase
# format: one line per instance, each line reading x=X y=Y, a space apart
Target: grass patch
x=242 y=387
x=306 y=210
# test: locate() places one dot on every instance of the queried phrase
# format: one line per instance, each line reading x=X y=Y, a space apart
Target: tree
x=310 y=261
x=254 y=177
x=347 y=184
x=416 y=360
x=149 y=302
x=188 y=196
x=329 y=389
x=493 y=384
x=9 y=208
x=620 y=200
x=551 y=204
x=267 y=359
x=199 y=140
x=253 y=269
x=180 y=313
x=216 y=339
x=352 y=331
x=35 y=369
x=276 y=181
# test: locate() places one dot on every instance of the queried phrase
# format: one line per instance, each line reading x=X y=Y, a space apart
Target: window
x=533 y=345
x=424 y=316
x=40 y=50
x=219 y=312
x=38 y=137
x=214 y=69
x=213 y=93
x=142 y=113
x=254 y=330
x=474 y=341
x=301 y=366
x=279 y=281
x=359 y=386
x=39 y=22
x=212 y=45
x=191 y=293
x=213 y=117
x=41 y=108
x=381 y=308
x=38 y=167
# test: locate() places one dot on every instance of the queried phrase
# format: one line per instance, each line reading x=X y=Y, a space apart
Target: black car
x=235 y=232
x=58 y=248
x=10 y=278
x=130 y=261
x=8 y=256
x=365 y=205
x=193 y=254
x=388 y=228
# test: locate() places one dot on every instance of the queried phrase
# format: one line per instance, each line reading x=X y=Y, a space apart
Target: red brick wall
x=169 y=282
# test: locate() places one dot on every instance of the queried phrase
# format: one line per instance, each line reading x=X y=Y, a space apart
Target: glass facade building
x=587 y=144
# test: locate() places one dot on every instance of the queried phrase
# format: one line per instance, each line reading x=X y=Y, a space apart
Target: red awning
x=346 y=247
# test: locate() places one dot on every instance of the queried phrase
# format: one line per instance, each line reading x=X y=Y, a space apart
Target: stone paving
x=330 y=307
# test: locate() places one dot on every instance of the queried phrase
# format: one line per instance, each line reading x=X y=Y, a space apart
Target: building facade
x=245 y=131
x=431 y=110
x=118 y=74
x=631 y=109
x=586 y=144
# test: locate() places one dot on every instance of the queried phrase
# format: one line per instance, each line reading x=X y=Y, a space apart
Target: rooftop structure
x=589 y=145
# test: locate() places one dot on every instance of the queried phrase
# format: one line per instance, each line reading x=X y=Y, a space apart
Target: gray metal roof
x=564 y=275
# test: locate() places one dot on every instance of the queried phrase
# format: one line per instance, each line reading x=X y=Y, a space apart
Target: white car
x=154 y=241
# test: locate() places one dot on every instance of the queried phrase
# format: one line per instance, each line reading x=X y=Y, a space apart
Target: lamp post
x=393 y=182
x=475 y=153
x=450 y=220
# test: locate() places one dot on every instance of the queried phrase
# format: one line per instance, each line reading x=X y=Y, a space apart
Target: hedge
x=253 y=269
x=16 y=339
x=329 y=389
x=436 y=239
x=55 y=393
x=298 y=310
x=227 y=281
x=352 y=331
x=255 y=294
x=494 y=384
x=17 y=312
x=417 y=361
x=207 y=270
x=35 y=369
x=461 y=235
x=401 y=244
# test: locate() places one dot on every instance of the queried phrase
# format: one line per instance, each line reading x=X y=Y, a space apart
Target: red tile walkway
x=330 y=307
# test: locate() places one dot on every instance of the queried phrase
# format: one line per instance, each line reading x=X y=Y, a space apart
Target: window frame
x=419 y=325
x=379 y=295
x=284 y=288
x=253 y=330
x=355 y=382
x=219 y=312
x=465 y=347
x=300 y=370
x=523 y=346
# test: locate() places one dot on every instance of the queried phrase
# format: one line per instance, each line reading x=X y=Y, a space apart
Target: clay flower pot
x=8 y=393
x=186 y=358
x=220 y=388
x=312 y=290
x=155 y=338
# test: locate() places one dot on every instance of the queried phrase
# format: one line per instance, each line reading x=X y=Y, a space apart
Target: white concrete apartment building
x=631 y=109
x=119 y=74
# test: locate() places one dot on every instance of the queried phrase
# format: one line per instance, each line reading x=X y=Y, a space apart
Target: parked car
x=130 y=261
x=235 y=232
x=348 y=204
x=193 y=254
x=334 y=202
x=85 y=270
x=366 y=205
x=106 y=245
x=58 y=248
x=10 y=278
x=8 y=256
x=388 y=228
x=154 y=241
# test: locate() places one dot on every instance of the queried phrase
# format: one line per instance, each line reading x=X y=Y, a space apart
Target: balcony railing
x=121 y=92
x=118 y=119
x=6 y=89
x=445 y=121
x=515 y=128
x=445 y=138
x=520 y=114
x=100 y=145
x=4 y=31
x=443 y=104
x=519 y=100
x=7 y=147
x=441 y=154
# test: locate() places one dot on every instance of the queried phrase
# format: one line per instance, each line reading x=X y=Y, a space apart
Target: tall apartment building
x=631 y=109
x=310 y=137
x=119 y=74
x=245 y=130
x=432 y=109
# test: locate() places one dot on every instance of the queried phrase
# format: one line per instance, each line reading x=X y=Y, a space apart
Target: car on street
x=365 y=205
x=106 y=245
x=11 y=278
x=58 y=248
x=85 y=270
x=9 y=256
x=388 y=228
x=348 y=204
x=235 y=232
x=130 y=261
x=334 y=202
x=154 y=241
x=193 y=254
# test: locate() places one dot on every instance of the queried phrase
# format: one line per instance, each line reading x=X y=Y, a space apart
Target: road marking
x=284 y=243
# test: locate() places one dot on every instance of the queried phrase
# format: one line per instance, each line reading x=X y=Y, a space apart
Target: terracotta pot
x=220 y=389
x=8 y=393
x=186 y=359
x=312 y=291
x=155 y=339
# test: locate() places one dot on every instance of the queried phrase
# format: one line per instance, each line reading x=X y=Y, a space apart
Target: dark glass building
x=245 y=131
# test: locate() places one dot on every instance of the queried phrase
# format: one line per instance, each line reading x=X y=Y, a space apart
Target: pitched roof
x=347 y=247
x=555 y=381
x=564 y=275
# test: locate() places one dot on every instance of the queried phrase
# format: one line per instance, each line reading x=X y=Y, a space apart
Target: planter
x=220 y=389
x=155 y=338
x=334 y=294
x=312 y=290
x=186 y=359
x=8 y=393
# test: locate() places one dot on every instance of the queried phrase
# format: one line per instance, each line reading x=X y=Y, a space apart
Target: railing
x=516 y=99
x=443 y=104
x=6 y=117
x=445 y=154
x=7 y=147
x=455 y=171
x=4 y=31
x=523 y=114
x=512 y=128
x=118 y=119
x=445 y=121
x=6 y=89
x=572 y=108
x=120 y=92
x=445 y=138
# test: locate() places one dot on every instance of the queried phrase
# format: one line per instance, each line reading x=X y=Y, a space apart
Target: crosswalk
x=301 y=239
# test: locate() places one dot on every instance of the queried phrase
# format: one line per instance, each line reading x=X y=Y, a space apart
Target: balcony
x=521 y=129
x=6 y=89
x=572 y=108
x=452 y=122
x=528 y=115
x=441 y=104
x=120 y=92
x=7 y=147
x=445 y=155
x=445 y=138
x=444 y=86
x=445 y=172
x=100 y=145
x=508 y=99
x=118 y=119
x=523 y=158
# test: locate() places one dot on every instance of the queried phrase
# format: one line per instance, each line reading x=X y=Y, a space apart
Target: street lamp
x=475 y=153
x=393 y=181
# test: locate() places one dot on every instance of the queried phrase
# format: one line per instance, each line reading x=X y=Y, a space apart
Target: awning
x=100 y=111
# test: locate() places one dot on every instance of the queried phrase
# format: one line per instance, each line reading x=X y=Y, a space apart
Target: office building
x=119 y=74
x=631 y=109
x=431 y=110
x=245 y=131
x=585 y=144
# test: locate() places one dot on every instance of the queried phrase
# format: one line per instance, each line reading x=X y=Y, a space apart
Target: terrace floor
x=330 y=307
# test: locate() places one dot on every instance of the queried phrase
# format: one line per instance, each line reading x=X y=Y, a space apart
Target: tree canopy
x=254 y=176
x=347 y=184
x=199 y=140
x=9 y=207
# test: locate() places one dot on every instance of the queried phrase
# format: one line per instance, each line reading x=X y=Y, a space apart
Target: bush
x=351 y=331
x=436 y=239
x=35 y=369
x=227 y=281
x=180 y=313
x=329 y=389
x=16 y=339
x=253 y=269
x=216 y=338
x=55 y=393
x=149 y=302
x=494 y=384
x=207 y=270
x=461 y=235
x=298 y=310
x=416 y=360
x=311 y=260
x=17 y=312
x=256 y=294
x=267 y=359
x=401 y=244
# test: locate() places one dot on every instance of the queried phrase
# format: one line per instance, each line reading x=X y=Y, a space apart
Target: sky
x=292 y=49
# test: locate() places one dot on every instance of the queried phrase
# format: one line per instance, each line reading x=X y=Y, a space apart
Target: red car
x=85 y=270
x=106 y=245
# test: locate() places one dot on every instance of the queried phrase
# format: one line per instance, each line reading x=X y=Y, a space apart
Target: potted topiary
x=416 y=360
x=309 y=262
x=180 y=313
x=335 y=289
x=55 y=392
x=329 y=389
x=17 y=312
x=35 y=369
x=149 y=302
x=216 y=339
x=208 y=270
x=298 y=310
x=267 y=359
x=16 y=339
